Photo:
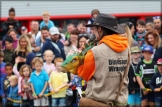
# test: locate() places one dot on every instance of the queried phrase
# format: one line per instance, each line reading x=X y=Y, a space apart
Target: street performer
x=105 y=66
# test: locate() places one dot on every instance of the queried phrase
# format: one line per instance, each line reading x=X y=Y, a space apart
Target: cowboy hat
x=107 y=21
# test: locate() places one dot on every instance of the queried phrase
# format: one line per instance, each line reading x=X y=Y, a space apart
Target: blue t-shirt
x=39 y=81
x=50 y=24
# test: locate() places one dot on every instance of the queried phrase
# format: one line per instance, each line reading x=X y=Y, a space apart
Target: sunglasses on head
x=156 y=17
x=83 y=34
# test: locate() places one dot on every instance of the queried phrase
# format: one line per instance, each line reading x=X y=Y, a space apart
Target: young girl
x=24 y=88
x=23 y=48
x=48 y=66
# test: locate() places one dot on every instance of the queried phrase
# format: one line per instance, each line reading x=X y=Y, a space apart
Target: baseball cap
x=54 y=30
x=23 y=28
x=135 y=49
x=159 y=61
x=148 y=48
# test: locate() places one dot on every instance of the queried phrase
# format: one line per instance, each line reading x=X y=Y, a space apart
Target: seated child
x=46 y=20
x=156 y=84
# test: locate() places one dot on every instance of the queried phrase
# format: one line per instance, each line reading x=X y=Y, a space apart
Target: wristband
x=16 y=64
x=34 y=94
x=143 y=88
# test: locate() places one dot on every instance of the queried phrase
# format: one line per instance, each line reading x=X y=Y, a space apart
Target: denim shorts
x=58 y=102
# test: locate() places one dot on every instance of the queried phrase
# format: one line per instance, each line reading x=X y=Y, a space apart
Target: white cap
x=54 y=30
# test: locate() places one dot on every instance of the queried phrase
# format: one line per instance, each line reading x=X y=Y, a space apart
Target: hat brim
x=135 y=51
x=55 y=33
x=119 y=29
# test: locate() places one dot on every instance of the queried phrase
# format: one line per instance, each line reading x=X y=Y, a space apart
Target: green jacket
x=8 y=55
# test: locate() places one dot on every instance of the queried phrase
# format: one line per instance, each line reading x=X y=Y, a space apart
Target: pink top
x=49 y=67
x=20 y=82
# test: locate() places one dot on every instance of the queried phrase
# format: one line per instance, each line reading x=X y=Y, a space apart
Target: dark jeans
x=158 y=101
x=27 y=103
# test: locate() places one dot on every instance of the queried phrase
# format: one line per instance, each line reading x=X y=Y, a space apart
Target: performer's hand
x=145 y=92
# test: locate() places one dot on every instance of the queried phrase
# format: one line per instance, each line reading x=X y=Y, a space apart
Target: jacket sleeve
x=5 y=27
x=17 y=26
x=152 y=82
x=87 y=70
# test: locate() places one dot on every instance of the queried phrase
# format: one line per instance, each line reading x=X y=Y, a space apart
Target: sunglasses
x=156 y=17
x=83 y=34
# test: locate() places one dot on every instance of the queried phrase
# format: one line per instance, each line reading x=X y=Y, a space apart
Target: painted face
x=141 y=28
x=151 y=39
x=26 y=72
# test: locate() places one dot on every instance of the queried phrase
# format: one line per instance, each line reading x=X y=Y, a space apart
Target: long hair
x=128 y=34
x=28 y=47
x=157 y=39
x=22 y=68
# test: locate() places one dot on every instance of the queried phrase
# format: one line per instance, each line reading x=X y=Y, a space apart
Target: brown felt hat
x=107 y=21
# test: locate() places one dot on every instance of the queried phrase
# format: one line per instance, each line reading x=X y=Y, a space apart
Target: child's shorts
x=150 y=97
x=60 y=102
x=134 y=99
x=41 y=101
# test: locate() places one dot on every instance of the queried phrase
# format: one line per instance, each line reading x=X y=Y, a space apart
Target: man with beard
x=157 y=24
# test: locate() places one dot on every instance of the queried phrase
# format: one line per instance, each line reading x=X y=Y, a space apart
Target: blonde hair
x=45 y=13
x=37 y=59
x=128 y=35
x=28 y=48
x=47 y=52
x=150 y=24
x=22 y=68
x=13 y=78
x=58 y=60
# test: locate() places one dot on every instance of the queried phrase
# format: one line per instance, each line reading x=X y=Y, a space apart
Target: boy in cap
x=104 y=63
x=145 y=70
x=156 y=84
x=133 y=87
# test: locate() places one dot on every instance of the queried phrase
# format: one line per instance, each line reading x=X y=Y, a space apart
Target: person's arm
x=87 y=70
x=15 y=71
x=17 y=26
x=46 y=78
x=138 y=76
x=34 y=94
x=65 y=80
x=152 y=82
x=51 y=24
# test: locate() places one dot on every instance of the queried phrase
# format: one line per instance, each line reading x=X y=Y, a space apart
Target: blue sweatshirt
x=48 y=46
x=156 y=82
x=50 y=24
